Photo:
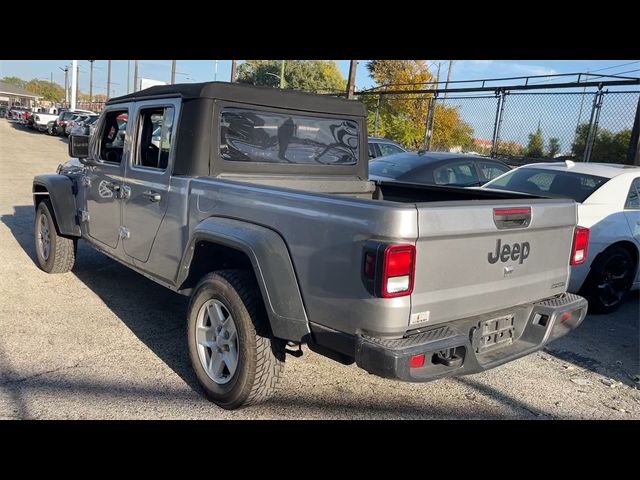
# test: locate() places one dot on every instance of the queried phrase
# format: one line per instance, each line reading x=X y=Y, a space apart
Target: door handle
x=152 y=196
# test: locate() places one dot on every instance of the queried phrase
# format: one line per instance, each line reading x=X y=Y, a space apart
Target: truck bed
x=452 y=228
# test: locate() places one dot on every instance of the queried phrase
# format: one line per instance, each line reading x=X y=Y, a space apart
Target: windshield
x=542 y=181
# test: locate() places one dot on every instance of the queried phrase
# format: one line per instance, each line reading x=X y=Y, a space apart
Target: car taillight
x=398 y=267
x=580 y=246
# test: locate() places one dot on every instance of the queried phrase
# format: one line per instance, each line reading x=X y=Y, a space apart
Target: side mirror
x=79 y=147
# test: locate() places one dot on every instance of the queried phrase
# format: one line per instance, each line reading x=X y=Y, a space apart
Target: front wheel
x=232 y=352
x=609 y=280
x=55 y=253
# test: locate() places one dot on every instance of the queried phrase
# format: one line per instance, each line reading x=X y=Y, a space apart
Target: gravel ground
x=103 y=342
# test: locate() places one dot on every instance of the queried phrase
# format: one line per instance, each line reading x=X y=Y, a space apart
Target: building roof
x=238 y=92
x=9 y=89
x=607 y=170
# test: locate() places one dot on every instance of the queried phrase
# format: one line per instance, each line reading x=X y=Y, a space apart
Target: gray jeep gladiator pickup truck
x=256 y=203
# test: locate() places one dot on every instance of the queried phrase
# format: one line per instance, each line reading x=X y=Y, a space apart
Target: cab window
x=155 y=127
x=112 y=136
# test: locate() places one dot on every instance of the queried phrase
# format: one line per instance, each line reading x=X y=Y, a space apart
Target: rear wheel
x=232 y=352
x=55 y=253
x=609 y=280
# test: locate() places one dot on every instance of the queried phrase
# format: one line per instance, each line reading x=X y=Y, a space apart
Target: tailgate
x=480 y=256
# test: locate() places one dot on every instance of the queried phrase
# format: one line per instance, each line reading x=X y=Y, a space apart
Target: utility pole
x=108 y=79
x=135 y=75
x=74 y=83
x=66 y=83
x=51 y=77
x=128 y=76
x=91 y=81
x=633 y=157
x=351 y=84
x=215 y=72
x=446 y=86
x=173 y=72
x=233 y=71
x=375 y=120
x=282 y=84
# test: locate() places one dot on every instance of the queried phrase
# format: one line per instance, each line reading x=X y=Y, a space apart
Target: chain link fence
x=524 y=127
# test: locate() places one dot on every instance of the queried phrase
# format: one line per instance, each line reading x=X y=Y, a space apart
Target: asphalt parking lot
x=103 y=342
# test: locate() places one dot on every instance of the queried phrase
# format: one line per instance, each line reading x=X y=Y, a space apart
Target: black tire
x=61 y=254
x=260 y=362
x=609 y=280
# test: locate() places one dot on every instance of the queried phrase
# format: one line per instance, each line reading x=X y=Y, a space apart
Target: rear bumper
x=458 y=348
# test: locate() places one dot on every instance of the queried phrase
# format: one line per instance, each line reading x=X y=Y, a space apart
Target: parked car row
x=53 y=121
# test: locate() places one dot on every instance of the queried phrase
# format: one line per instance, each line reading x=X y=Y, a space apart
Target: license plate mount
x=495 y=333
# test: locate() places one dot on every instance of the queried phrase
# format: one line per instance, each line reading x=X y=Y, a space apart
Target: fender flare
x=272 y=267
x=60 y=190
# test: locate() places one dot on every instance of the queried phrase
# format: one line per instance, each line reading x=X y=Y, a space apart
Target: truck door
x=103 y=180
x=148 y=174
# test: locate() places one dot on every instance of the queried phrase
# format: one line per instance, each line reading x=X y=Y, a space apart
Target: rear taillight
x=388 y=270
x=398 y=266
x=580 y=246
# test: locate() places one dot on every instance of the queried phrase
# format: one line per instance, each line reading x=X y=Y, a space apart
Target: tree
x=321 y=76
x=17 y=81
x=403 y=117
x=535 y=147
x=48 y=90
x=608 y=147
x=510 y=148
x=554 y=147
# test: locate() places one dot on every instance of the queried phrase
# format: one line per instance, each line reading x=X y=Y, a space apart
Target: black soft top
x=237 y=92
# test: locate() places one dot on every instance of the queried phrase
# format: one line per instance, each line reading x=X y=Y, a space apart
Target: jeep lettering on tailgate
x=509 y=252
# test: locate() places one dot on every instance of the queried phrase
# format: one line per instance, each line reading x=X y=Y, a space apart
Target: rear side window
x=269 y=137
x=491 y=170
x=459 y=173
x=633 y=199
x=155 y=126
x=388 y=149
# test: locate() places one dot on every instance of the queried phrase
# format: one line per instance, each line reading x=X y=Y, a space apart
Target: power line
x=615 y=66
x=616 y=73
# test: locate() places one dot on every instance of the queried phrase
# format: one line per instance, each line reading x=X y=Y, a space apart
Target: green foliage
x=403 y=119
x=535 y=147
x=609 y=147
x=14 y=81
x=510 y=148
x=308 y=75
x=553 y=147
x=48 y=90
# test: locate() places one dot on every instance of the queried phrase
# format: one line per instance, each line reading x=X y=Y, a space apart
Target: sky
x=558 y=115
x=205 y=70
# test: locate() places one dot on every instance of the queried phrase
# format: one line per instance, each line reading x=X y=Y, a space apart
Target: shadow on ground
x=153 y=313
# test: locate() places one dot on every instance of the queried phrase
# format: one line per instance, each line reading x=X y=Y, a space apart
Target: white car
x=608 y=197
